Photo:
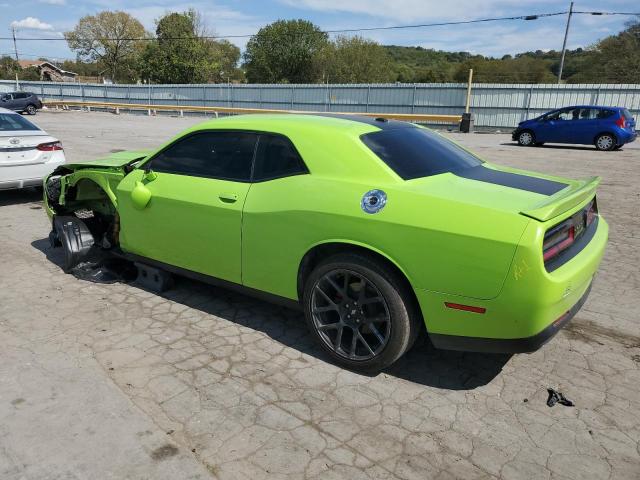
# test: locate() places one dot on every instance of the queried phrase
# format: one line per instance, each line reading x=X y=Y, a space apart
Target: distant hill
x=418 y=64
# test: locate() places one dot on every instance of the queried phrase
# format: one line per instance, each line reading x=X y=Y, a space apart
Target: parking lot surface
x=111 y=381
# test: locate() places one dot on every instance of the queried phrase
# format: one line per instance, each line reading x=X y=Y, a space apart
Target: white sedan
x=27 y=153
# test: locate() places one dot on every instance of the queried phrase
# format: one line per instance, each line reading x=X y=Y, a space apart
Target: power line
x=355 y=30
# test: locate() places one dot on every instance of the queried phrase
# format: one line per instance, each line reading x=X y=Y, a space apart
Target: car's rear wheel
x=526 y=138
x=360 y=311
x=605 y=142
x=31 y=109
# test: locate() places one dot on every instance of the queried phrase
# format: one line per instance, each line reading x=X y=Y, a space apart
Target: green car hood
x=116 y=160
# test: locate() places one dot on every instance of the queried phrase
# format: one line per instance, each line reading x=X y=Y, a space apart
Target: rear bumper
x=21 y=176
x=532 y=306
x=508 y=345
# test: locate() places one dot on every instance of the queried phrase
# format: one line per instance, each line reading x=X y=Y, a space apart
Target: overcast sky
x=49 y=18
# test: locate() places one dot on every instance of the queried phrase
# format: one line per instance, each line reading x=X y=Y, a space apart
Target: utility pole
x=15 y=49
x=564 y=44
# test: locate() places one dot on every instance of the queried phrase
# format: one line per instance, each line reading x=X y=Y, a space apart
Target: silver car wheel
x=525 y=139
x=605 y=142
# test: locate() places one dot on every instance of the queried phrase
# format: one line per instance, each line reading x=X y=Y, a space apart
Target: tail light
x=49 y=147
x=621 y=122
x=558 y=239
x=563 y=235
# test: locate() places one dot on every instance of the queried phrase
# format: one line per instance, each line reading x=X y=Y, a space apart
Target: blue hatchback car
x=608 y=128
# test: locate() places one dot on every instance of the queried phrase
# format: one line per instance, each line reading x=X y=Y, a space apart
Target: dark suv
x=24 y=102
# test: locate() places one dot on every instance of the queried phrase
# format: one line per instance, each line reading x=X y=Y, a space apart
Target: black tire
x=605 y=142
x=526 y=138
x=396 y=304
x=31 y=109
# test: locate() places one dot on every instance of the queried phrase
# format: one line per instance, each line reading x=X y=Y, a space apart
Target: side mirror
x=149 y=174
x=140 y=196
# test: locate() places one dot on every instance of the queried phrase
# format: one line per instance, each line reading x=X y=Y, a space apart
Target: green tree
x=616 y=58
x=111 y=39
x=286 y=51
x=226 y=56
x=356 y=60
x=9 y=67
x=181 y=53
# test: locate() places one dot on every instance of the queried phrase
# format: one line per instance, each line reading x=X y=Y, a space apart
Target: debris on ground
x=557 y=397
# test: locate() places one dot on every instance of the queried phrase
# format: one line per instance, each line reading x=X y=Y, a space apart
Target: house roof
x=40 y=63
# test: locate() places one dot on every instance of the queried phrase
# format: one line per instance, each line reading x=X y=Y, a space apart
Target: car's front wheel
x=605 y=142
x=526 y=139
x=360 y=311
x=31 y=109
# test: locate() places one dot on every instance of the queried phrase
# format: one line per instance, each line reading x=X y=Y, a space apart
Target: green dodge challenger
x=377 y=228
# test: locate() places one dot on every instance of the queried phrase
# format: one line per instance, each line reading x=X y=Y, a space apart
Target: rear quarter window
x=415 y=152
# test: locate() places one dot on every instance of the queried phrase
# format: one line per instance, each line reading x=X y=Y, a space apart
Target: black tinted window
x=603 y=113
x=416 y=152
x=223 y=155
x=276 y=157
x=19 y=96
x=11 y=122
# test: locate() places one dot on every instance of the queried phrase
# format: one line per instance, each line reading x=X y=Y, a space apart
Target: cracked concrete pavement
x=111 y=381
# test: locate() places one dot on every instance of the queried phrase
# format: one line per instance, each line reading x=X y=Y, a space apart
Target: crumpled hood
x=116 y=160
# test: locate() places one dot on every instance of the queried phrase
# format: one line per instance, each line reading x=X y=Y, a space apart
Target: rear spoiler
x=564 y=200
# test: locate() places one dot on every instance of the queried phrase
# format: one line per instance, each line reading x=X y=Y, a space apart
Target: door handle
x=228 y=197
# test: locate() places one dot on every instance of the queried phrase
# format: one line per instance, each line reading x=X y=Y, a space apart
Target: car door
x=7 y=101
x=586 y=126
x=196 y=188
x=557 y=127
x=20 y=101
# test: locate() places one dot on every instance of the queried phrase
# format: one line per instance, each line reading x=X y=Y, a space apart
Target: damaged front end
x=81 y=202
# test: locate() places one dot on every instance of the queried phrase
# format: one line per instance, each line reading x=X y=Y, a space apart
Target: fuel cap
x=373 y=201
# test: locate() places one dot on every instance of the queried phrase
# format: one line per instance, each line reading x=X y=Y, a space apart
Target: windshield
x=417 y=152
x=11 y=122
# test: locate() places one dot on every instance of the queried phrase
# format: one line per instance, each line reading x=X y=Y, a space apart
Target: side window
x=276 y=157
x=583 y=114
x=569 y=114
x=221 y=155
x=20 y=96
x=604 y=113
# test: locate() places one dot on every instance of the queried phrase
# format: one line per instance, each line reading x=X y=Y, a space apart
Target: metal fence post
x=413 y=99
x=529 y=100
x=293 y=92
x=368 y=97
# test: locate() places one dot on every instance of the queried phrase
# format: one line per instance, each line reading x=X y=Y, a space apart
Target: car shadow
x=554 y=147
x=424 y=364
x=17 y=197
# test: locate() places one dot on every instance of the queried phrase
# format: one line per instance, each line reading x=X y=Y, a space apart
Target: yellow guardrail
x=408 y=117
